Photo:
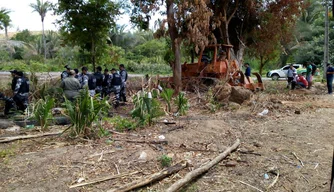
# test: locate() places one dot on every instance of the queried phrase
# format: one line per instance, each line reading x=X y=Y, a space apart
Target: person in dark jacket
x=106 y=84
x=248 y=71
x=329 y=78
x=13 y=72
x=124 y=77
x=21 y=91
x=99 y=80
x=65 y=73
x=87 y=80
x=116 y=83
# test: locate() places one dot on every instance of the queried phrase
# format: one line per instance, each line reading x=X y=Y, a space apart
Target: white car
x=282 y=72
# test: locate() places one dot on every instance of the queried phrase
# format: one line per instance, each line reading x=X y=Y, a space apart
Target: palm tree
x=42 y=8
x=4 y=20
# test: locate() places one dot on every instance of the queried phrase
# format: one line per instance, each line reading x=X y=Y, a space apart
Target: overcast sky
x=23 y=18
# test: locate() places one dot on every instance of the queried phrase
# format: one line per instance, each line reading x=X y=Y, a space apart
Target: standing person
x=106 y=83
x=290 y=75
x=124 y=76
x=309 y=74
x=76 y=75
x=248 y=71
x=116 y=84
x=294 y=80
x=329 y=78
x=21 y=91
x=99 y=80
x=65 y=73
x=71 y=86
x=88 y=80
x=13 y=72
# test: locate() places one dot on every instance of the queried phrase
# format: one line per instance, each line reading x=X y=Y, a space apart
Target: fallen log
x=10 y=139
x=152 y=178
x=98 y=180
x=142 y=141
x=199 y=171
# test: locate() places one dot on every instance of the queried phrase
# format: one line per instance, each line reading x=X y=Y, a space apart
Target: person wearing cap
x=99 y=80
x=65 y=73
x=290 y=75
x=21 y=91
x=116 y=84
x=106 y=84
x=329 y=78
x=71 y=86
x=124 y=77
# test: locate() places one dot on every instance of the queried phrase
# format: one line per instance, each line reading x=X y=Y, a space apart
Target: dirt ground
x=299 y=125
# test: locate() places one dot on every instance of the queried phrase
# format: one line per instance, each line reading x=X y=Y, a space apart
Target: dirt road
x=294 y=150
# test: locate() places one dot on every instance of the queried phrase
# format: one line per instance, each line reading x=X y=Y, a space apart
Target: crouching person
x=71 y=86
x=21 y=92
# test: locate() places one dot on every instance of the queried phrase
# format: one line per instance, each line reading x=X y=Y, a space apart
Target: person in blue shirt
x=248 y=71
x=329 y=77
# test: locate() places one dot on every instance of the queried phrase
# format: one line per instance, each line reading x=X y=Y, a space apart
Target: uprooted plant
x=42 y=111
x=83 y=112
x=146 y=108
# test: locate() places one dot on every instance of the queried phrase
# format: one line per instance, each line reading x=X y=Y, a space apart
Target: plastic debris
x=264 y=112
x=266 y=176
x=161 y=137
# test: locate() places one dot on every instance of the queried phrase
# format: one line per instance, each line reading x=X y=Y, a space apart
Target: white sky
x=23 y=18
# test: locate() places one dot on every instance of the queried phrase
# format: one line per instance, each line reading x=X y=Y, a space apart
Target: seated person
x=302 y=81
x=205 y=58
x=71 y=86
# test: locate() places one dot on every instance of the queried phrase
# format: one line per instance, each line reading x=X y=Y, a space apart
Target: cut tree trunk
x=199 y=171
x=10 y=139
x=152 y=178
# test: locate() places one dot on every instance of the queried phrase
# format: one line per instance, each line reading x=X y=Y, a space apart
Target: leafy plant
x=42 y=111
x=167 y=95
x=122 y=124
x=84 y=111
x=146 y=108
x=103 y=132
x=182 y=104
x=165 y=161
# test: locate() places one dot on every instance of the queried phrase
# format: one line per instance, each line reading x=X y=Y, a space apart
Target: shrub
x=122 y=124
x=84 y=112
x=167 y=95
x=42 y=111
x=146 y=108
x=165 y=161
x=182 y=104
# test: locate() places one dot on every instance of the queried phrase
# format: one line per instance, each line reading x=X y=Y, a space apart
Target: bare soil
x=299 y=122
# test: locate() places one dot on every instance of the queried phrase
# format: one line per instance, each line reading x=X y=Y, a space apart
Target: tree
x=87 y=24
x=42 y=8
x=276 y=28
x=5 y=20
x=185 y=20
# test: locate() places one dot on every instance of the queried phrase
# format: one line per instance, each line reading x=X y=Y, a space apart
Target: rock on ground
x=222 y=92
x=5 y=123
x=240 y=94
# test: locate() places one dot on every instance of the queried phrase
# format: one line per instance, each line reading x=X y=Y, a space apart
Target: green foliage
x=87 y=24
x=182 y=104
x=165 y=161
x=146 y=108
x=167 y=95
x=103 y=132
x=25 y=36
x=42 y=111
x=121 y=123
x=84 y=112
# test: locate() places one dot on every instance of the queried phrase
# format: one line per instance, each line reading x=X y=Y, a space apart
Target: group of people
x=20 y=88
x=297 y=79
x=97 y=83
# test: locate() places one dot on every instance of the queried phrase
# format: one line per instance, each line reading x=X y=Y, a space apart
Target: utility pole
x=326 y=53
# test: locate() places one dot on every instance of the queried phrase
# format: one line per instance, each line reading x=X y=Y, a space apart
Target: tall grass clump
x=42 y=111
x=83 y=112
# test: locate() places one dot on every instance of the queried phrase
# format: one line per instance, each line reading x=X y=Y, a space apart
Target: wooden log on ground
x=142 y=141
x=152 y=178
x=199 y=171
x=10 y=139
x=98 y=180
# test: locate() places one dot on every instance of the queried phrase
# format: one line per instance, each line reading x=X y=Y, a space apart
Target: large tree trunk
x=43 y=37
x=6 y=32
x=93 y=54
x=176 y=43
